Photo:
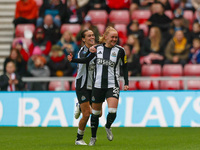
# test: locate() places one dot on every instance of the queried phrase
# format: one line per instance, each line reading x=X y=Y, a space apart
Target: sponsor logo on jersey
x=105 y=62
x=93 y=98
x=83 y=98
x=99 y=52
x=125 y=59
x=113 y=54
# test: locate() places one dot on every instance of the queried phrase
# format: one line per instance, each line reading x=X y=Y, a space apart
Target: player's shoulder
x=120 y=48
x=98 y=45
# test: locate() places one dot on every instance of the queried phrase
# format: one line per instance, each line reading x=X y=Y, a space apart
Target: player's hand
x=93 y=49
x=69 y=57
x=126 y=87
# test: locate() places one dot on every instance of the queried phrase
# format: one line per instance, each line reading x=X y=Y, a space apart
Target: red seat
x=24 y=30
x=57 y=86
x=169 y=13
x=121 y=27
x=193 y=84
x=188 y=14
x=101 y=28
x=192 y=70
x=149 y=85
x=170 y=85
x=119 y=16
x=145 y=28
x=98 y=16
x=172 y=4
x=26 y=42
x=132 y=85
x=73 y=88
x=151 y=70
x=73 y=28
x=141 y=15
x=39 y=3
x=172 y=70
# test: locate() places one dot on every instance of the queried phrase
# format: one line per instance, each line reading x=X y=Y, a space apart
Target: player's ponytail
x=102 y=38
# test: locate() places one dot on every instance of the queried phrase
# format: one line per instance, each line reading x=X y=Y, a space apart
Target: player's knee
x=96 y=112
x=112 y=110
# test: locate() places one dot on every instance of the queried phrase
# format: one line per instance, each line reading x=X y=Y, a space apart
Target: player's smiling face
x=89 y=38
x=111 y=39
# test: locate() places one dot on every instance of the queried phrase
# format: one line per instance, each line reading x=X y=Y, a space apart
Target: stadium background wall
x=136 y=109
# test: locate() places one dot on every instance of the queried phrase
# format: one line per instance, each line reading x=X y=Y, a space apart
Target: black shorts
x=99 y=95
x=83 y=95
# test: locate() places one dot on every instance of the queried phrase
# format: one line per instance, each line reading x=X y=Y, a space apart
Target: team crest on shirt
x=113 y=54
x=93 y=98
x=83 y=98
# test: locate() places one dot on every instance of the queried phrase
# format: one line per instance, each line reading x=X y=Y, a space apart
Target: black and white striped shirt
x=85 y=71
x=108 y=64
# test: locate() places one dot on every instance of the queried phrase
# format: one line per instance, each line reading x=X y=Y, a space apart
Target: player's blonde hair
x=108 y=29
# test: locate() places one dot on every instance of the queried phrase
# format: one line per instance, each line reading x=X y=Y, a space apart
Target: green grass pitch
x=62 y=138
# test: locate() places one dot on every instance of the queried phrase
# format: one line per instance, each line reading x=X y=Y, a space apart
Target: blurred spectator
x=166 y=4
x=118 y=4
x=194 y=57
x=179 y=12
x=20 y=64
x=133 y=28
x=55 y=8
x=84 y=5
x=153 y=48
x=98 y=5
x=23 y=52
x=68 y=45
x=36 y=52
x=10 y=80
x=195 y=32
x=58 y=63
x=195 y=4
x=52 y=32
x=40 y=41
x=88 y=25
x=73 y=14
x=26 y=12
x=133 y=60
x=40 y=69
x=178 y=24
x=134 y=44
x=135 y=4
x=197 y=16
x=159 y=19
x=186 y=5
x=177 y=50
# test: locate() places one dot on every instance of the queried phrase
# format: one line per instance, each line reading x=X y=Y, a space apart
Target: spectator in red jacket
x=40 y=40
x=20 y=48
x=26 y=12
x=118 y=4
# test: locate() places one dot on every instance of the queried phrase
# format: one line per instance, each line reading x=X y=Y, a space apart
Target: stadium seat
x=149 y=85
x=141 y=15
x=169 y=13
x=73 y=88
x=121 y=27
x=24 y=30
x=101 y=28
x=57 y=86
x=132 y=85
x=145 y=28
x=26 y=42
x=39 y=3
x=151 y=70
x=193 y=84
x=172 y=4
x=172 y=70
x=170 y=85
x=74 y=28
x=98 y=16
x=192 y=70
x=119 y=16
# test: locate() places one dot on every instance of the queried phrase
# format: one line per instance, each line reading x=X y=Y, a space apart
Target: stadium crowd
x=163 y=35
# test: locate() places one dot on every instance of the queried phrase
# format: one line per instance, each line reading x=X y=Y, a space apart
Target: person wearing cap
x=40 y=41
x=58 y=63
x=88 y=25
